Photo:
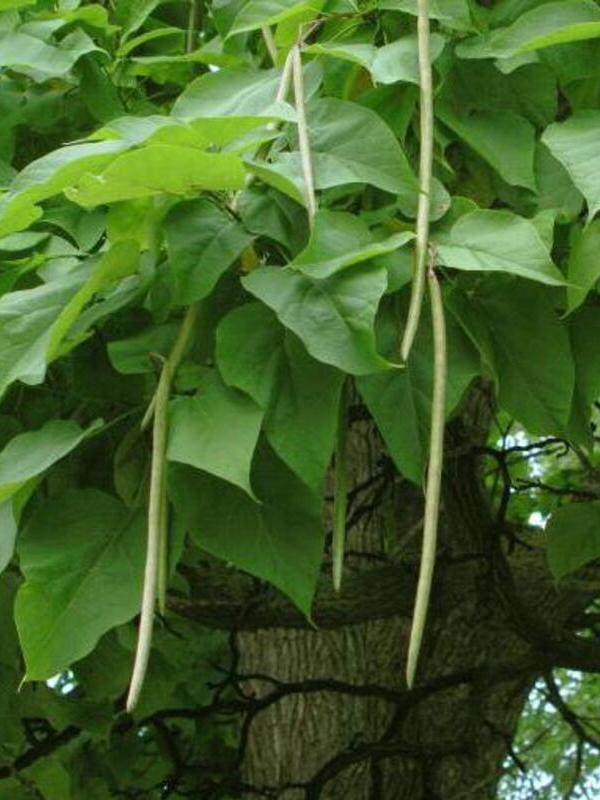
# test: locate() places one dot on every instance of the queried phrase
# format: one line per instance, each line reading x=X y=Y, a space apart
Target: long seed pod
x=156 y=509
x=425 y=172
x=434 y=476
x=340 y=495
x=303 y=140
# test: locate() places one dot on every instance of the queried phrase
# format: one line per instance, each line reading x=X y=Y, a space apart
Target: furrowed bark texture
x=345 y=724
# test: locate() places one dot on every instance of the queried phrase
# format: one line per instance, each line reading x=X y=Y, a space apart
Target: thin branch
x=425 y=175
x=434 y=476
x=156 y=512
x=303 y=139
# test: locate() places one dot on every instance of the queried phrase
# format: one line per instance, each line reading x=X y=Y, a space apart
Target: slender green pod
x=156 y=549
x=340 y=495
x=434 y=476
x=425 y=174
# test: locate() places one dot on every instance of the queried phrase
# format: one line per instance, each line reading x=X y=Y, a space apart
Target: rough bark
x=343 y=723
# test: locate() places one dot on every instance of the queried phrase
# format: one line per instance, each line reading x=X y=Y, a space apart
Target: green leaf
x=555 y=189
x=505 y=140
x=8 y=533
x=279 y=540
x=235 y=93
x=118 y=262
x=349 y=144
x=334 y=317
x=142 y=173
x=215 y=431
x=202 y=243
x=22 y=52
x=134 y=355
x=48 y=176
x=82 y=555
x=339 y=240
x=575 y=143
x=26 y=324
x=547 y=24
x=452 y=13
x=400 y=401
x=573 y=537
x=497 y=241
x=256 y=13
x=398 y=61
x=583 y=269
x=258 y=356
x=29 y=454
x=531 y=352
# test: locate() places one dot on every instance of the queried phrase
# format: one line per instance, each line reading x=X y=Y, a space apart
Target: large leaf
x=532 y=354
x=118 y=262
x=573 y=537
x=256 y=13
x=279 y=539
x=339 y=240
x=334 y=316
x=547 y=24
x=257 y=355
x=48 y=176
x=400 y=401
x=8 y=533
x=22 y=52
x=142 y=173
x=398 y=61
x=235 y=93
x=349 y=144
x=29 y=454
x=584 y=263
x=26 y=328
x=497 y=241
x=215 y=431
x=82 y=556
x=504 y=139
x=576 y=144
x=202 y=242
x=453 y=13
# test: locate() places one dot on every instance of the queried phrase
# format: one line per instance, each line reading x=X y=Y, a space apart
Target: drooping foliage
x=163 y=278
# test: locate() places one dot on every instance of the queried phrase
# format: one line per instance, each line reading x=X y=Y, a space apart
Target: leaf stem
x=425 y=173
x=267 y=35
x=434 y=475
x=340 y=502
x=303 y=139
x=157 y=507
x=190 y=37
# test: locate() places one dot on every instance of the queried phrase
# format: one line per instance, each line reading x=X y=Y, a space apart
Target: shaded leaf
x=334 y=317
x=82 y=555
x=573 y=537
x=215 y=431
x=279 y=540
x=202 y=243
x=257 y=355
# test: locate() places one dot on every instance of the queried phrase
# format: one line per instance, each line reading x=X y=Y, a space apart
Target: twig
x=425 y=173
x=156 y=512
x=434 y=476
x=340 y=503
x=303 y=140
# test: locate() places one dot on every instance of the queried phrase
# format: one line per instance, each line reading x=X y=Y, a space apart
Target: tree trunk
x=335 y=744
x=330 y=715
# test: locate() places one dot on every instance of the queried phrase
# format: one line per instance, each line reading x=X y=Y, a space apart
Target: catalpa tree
x=299 y=368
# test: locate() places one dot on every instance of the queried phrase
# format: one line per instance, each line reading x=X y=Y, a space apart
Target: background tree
x=207 y=245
